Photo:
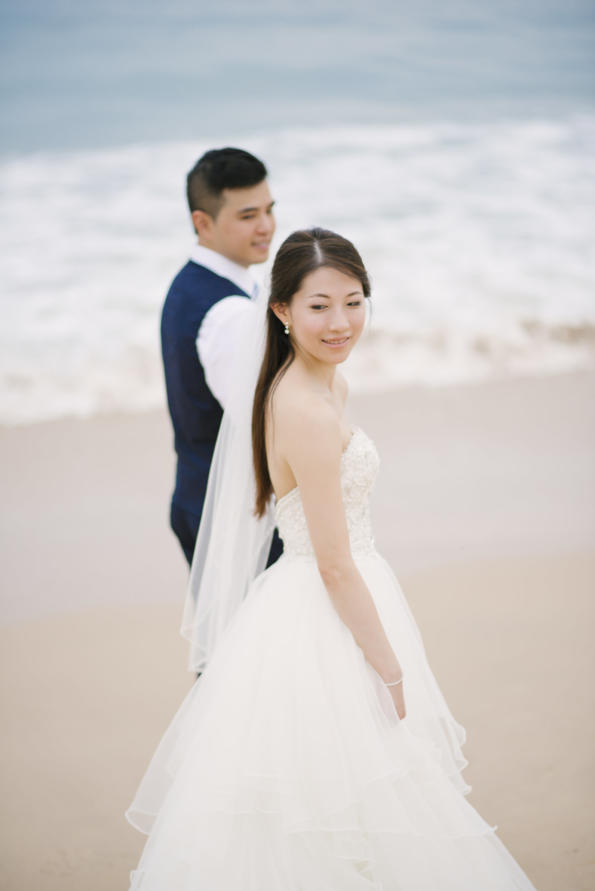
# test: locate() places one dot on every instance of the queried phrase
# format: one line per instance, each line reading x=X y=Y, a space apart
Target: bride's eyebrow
x=326 y=296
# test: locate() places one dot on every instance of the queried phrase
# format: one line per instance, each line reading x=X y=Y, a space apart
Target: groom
x=204 y=314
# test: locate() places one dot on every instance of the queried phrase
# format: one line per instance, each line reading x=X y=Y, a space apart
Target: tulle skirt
x=287 y=768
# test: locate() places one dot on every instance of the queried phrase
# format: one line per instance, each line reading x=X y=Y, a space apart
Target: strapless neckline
x=295 y=489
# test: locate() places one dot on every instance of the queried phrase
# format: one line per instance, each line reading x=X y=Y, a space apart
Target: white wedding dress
x=287 y=767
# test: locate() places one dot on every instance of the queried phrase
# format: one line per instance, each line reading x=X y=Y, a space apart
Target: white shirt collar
x=226 y=268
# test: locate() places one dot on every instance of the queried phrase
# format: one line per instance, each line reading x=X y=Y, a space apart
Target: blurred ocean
x=455 y=146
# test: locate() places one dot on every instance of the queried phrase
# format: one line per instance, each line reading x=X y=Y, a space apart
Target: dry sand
x=485 y=508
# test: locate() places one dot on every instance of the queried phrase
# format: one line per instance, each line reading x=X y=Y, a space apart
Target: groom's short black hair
x=218 y=169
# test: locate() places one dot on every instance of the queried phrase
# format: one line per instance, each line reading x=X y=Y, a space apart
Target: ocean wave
x=477 y=237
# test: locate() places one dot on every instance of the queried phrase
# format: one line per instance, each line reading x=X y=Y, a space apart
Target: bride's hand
x=398 y=698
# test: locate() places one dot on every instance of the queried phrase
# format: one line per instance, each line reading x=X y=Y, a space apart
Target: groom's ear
x=203 y=222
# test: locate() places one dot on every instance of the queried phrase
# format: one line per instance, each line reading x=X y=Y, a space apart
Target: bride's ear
x=281 y=310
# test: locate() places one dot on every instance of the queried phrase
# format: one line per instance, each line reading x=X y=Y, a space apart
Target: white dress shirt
x=220 y=334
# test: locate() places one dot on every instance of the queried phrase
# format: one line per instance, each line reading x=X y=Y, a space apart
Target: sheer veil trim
x=232 y=545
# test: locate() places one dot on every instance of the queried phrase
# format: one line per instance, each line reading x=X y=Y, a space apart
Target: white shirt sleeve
x=219 y=341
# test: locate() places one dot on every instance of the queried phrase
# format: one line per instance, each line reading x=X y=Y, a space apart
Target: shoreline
x=498 y=469
x=365 y=383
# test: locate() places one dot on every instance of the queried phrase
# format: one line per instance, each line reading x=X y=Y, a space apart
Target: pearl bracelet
x=394 y=683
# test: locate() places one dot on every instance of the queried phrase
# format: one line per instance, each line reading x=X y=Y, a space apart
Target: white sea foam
x=478 y=239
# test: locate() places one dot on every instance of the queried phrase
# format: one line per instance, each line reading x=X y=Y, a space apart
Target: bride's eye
x=318 y=306
x=355 y=303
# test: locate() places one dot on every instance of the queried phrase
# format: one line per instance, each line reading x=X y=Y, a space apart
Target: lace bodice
x=359 y=466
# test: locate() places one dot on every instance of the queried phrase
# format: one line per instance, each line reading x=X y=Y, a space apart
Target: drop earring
x=286 y=329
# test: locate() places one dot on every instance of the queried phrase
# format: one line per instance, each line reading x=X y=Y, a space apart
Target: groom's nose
x=266 y=223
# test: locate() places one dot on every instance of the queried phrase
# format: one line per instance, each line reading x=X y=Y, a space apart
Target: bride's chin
x=337 y=360
x=337 y=357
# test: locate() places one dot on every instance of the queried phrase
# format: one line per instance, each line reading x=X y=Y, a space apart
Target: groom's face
x=244 y=227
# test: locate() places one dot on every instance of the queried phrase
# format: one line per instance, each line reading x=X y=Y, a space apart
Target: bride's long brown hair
x=300 y=254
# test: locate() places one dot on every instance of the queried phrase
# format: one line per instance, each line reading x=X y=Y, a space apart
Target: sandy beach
x=485 y=508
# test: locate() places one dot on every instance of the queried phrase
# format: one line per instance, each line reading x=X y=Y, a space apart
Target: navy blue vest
x=194 y=411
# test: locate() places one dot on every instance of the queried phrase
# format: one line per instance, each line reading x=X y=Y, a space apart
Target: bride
x=316 y=751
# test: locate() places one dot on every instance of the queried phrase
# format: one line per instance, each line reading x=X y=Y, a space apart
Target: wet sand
x=485 y=509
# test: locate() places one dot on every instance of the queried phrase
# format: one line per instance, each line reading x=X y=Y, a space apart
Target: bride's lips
x=337 y=342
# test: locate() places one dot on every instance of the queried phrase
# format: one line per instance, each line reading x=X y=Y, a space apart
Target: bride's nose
x=338 y=321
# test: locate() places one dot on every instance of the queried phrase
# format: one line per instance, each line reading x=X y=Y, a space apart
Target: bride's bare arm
x=312 y=446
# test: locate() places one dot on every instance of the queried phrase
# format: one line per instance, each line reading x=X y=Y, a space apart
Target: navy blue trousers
x=185 y=525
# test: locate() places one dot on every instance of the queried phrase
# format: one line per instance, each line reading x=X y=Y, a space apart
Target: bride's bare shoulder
x=300 y=414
